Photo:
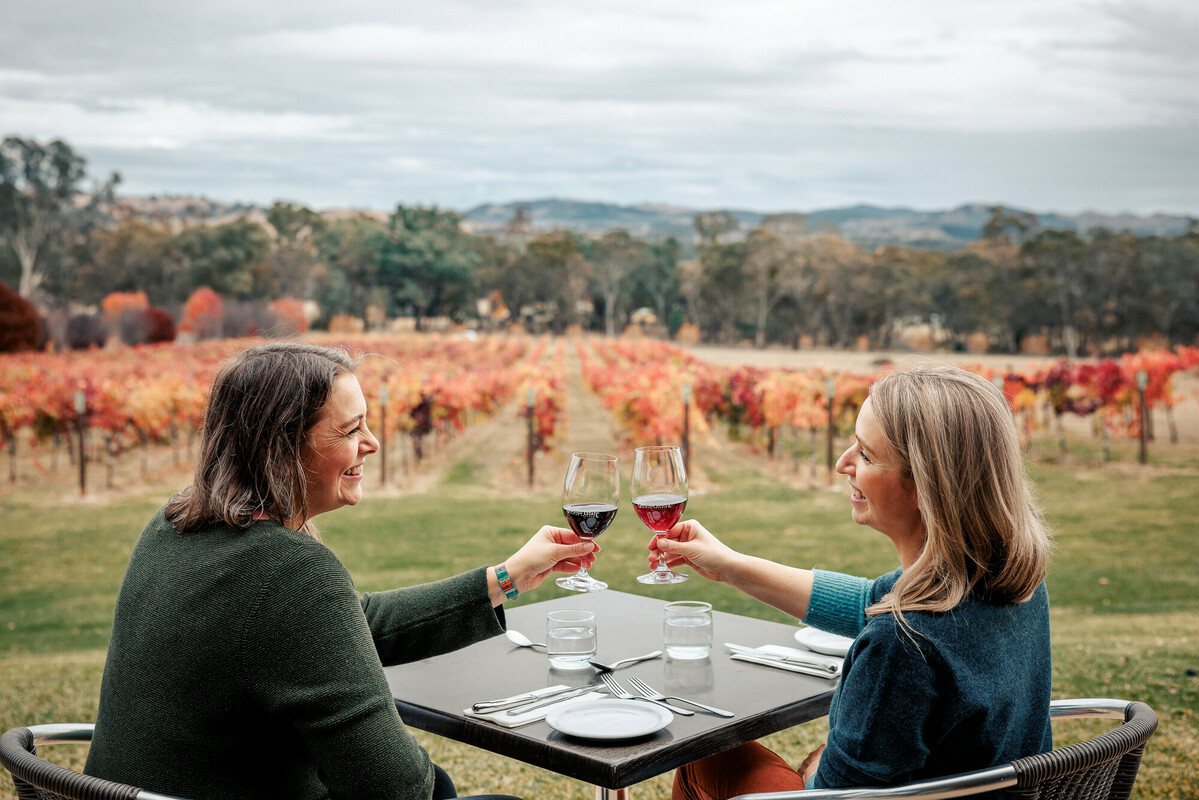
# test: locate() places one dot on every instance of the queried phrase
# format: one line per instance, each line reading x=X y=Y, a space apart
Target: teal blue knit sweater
x=969 y=690
x=243 y=664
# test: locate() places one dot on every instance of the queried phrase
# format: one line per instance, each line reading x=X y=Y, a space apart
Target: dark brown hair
x=263 y=403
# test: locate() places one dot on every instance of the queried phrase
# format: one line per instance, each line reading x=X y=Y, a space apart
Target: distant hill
x=864 y=224
x=869 y=226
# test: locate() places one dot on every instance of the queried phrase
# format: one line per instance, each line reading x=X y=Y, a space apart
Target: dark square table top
x=431 y=694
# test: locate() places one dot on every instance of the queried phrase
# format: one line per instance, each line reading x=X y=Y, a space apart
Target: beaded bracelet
x=506 y=585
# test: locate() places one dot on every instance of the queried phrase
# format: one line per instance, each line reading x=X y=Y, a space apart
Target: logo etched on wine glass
x=659 y=489
x=590 y=499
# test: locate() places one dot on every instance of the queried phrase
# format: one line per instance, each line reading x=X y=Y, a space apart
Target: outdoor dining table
x=433 y=694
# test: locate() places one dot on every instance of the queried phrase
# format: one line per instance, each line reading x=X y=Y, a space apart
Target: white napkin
x=814 y=663
x=516 y=720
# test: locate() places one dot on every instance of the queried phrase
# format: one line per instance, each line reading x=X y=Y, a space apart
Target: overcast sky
x=768 y=105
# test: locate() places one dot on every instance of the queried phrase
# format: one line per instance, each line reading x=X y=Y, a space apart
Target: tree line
x=66 y=245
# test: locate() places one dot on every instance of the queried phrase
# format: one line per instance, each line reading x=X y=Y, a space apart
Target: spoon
x=518 y=638
x=623 y=661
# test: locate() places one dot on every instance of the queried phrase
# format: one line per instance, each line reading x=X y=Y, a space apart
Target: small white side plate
x=609 y=719
x=818 y=641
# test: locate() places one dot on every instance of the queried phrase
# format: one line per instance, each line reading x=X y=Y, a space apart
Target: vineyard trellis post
x=81 y=416
x=830 y=389
x=530 y=403
x=1142 y=384
x=687 y=428
x=383 y=435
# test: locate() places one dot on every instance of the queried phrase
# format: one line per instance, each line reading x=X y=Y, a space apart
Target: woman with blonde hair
x=950 y=666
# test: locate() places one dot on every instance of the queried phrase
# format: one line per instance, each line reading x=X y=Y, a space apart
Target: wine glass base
x=661 y=577
x=581 y=584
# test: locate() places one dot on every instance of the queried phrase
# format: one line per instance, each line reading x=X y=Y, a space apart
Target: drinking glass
x=590 y=498
x=659 y=496
x=687 y=630
x=570 y=638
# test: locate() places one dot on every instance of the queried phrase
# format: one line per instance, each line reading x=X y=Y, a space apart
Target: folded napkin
x=804 y=661
x=516 y=720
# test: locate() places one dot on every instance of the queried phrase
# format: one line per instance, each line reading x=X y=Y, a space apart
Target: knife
x=575 y=692
x=816 y=662
x=519 y=699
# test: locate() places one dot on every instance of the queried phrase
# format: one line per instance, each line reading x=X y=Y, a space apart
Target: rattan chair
x=1103 y=768
x=38 y=779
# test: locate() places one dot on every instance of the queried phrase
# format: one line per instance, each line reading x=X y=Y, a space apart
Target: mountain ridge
x=863 y=223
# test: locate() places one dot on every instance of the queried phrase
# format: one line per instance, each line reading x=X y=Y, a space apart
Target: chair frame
x=1023 y=777
x=36 y=779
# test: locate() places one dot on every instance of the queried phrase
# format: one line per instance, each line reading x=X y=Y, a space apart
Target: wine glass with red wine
x=659 y=497
x=590 y=498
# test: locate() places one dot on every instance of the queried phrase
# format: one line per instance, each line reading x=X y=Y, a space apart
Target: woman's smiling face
x=880 y=496
x=338 y=445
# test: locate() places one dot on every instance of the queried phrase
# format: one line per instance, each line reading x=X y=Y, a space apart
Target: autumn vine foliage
x=642 y=383
x=420 y=386
x=546 y=388
x=155 y=394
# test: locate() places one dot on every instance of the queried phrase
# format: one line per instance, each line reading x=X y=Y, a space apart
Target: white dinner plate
x=819 y=641
x=609 y=719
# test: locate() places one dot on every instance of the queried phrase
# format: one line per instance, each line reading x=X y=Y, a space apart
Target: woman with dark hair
x=950 y=667
x=242 y=663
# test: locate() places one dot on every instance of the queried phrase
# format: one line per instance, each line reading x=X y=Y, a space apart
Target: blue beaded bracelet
x=506 y=585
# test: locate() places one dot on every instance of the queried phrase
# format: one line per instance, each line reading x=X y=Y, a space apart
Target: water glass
x=570 y=638
x=687 y=630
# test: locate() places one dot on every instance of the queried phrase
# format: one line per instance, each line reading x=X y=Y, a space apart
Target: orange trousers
x=748 y=768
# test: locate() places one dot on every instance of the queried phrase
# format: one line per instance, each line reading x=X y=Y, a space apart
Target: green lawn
x=1124 y=587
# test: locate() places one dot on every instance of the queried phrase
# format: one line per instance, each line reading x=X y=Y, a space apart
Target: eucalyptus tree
x=656 y=276
x=133 y=255
x=39 y=188
x=617 y=255
x=773 y=270
x=844 y=291
x=1054 y=263
x=346 y=278
x=719 y=297
x=226 y=258
x=1167 y=281
x=428 y=263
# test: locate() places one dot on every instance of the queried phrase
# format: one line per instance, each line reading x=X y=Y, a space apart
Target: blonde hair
x=952 y=435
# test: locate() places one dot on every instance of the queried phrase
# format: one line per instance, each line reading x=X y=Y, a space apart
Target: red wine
x=589 y=520
x=660 y=511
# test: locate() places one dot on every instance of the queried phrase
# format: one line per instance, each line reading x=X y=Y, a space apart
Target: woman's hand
x=691 y=544
x=810 y=764
x=550 y=550
x=786 y=588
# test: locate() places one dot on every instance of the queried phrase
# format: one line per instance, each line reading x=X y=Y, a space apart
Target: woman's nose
x=844 y=462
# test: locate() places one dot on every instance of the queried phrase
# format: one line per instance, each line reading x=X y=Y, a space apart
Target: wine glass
x=659 y=496
x=590 y=499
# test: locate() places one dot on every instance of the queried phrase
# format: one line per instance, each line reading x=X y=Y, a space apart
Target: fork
x=650 y=693
x=616 y=690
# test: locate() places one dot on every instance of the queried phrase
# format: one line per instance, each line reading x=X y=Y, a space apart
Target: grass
x=1124 y=587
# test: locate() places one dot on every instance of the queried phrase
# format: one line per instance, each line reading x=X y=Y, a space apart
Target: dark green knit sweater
x=243 y=664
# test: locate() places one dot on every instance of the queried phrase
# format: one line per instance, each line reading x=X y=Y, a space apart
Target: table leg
x=611 y=794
